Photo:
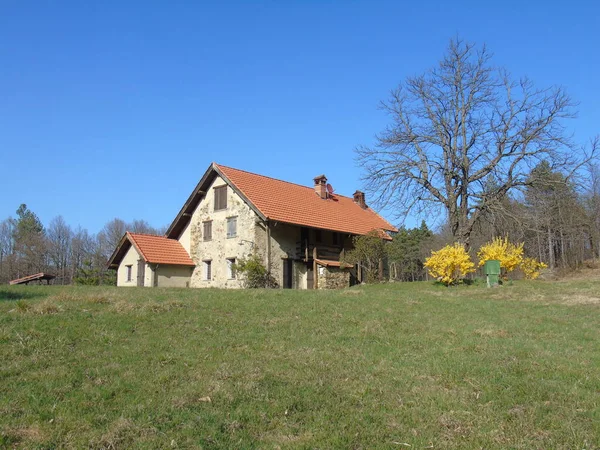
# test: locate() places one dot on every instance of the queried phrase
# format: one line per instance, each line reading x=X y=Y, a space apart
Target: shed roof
x=332 y=263
x=36 y=277
x=153 y=249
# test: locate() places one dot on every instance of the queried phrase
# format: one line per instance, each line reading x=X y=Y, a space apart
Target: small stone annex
x=300 y=232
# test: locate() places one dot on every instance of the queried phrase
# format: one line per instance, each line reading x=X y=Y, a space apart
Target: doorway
x=141 y=272
x=288 y=265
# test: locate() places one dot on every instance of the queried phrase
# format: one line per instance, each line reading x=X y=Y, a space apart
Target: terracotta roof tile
x=160 y=250
x=300 y=205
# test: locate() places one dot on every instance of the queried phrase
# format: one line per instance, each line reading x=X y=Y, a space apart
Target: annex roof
x=331 y=263
x=153 y=249
x=282 y=201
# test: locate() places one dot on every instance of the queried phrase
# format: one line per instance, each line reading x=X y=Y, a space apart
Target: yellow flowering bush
x=450 y=264
x=532 y=268
x=509 y=255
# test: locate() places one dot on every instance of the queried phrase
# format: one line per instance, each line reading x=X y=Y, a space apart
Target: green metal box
x=492 y=272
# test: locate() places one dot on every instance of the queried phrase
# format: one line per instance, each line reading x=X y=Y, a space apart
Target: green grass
x=391 y=366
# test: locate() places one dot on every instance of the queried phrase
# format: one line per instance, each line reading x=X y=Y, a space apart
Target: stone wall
x=284 y=239
x=333 y=278
x=220 y=248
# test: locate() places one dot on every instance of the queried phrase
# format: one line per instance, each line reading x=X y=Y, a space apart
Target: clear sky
x=116 y=108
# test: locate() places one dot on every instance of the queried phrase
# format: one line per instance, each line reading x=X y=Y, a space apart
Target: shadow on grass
x=8 y=295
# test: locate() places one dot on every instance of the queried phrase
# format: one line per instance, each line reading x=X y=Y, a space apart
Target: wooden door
x=287 y=273
x=310 y=277
x=141 y=272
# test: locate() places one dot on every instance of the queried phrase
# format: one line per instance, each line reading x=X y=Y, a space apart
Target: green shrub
x=254 y=273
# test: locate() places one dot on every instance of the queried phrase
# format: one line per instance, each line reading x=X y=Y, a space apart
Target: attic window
x=220 y=198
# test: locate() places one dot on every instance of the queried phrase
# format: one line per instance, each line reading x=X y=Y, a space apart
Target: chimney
x=359 y=198
x=321 y=186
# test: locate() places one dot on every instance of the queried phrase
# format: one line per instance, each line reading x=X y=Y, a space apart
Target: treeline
x=557 y=219
x=73 y=255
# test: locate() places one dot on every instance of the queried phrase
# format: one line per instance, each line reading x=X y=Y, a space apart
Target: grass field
x=394 y=366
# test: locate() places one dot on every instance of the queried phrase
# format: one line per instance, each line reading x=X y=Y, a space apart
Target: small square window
x=207 y=230
x=220 y=198
x=231 y=227
x=231 y=268
x=129 y=272
x=207 y=270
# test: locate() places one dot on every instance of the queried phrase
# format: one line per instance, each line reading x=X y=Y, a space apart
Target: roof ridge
x=276 y=179
x=148 y=234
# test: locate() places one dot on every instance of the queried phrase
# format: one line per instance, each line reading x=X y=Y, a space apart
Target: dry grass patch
x=352 y=292
x=579 y=299
x=22 y=437
x=123 y=433
x=492 y=332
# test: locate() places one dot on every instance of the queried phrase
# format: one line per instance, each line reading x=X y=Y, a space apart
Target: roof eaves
x=189 y=201
x=111 y=264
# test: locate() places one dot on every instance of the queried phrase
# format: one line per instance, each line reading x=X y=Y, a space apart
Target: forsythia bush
x=509 y=255
x=450 y=264
x=531 y=267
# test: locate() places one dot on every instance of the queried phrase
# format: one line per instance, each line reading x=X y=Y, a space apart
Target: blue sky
x=116 y=109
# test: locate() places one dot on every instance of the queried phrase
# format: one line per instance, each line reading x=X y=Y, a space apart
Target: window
x=231 y=268
x=318 y=236
x=231 y=227
x=336 y=239
x=207 y=232
x=207 y=270
x=220 y=198
x=129 y=271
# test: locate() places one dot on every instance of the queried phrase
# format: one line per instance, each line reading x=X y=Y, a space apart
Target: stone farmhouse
x=299 y=232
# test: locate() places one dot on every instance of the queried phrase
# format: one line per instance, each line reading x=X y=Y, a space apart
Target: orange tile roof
x=160 y=249
x=300 y=205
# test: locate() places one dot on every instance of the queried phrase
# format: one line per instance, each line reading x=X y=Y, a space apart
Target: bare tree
x=141 y=226
x=60 y=236
x=110 y=235
x=458 y=126
x=592 y=200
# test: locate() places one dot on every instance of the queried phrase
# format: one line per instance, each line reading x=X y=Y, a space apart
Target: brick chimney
x=359 y=198
x=321 y=186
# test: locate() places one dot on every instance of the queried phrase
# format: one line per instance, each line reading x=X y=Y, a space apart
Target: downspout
x=268 y=229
